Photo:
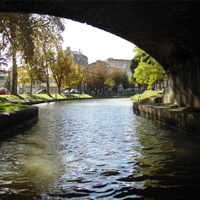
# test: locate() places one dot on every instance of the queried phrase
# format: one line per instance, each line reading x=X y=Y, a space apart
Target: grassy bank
x=7 y=102
x=145 y=95
x=37 y=97
x=42 y=97
x=5 y=107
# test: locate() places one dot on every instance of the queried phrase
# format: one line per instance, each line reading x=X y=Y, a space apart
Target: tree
x=19 y=32
x=79 y=74
x=148 y=70
x=148 y=73
x=6 y=83
x=28 y=74
x=70 y=78
x=88 y=78
x=139 y=55
x=131 y=81
x=47 y=40
x=61 y=68
x=99 y=74
x=110 y=83
x=16 y=32
x=118 y=78
x=125 y=82
x=103 y=74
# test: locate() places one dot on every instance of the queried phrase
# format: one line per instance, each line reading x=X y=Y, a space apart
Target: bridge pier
x=182 y=83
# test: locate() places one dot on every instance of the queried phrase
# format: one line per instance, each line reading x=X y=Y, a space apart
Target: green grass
x=40 y=97
x=135 y=97
x=159 y=104
x=145 y=95
x=5 y=107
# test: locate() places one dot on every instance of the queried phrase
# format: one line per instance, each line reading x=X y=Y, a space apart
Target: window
x=115 y=64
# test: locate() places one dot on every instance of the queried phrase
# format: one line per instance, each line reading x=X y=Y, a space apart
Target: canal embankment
x=184 y=118
x=12 y=118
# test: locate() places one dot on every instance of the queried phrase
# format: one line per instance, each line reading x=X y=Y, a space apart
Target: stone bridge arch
x=168 y=30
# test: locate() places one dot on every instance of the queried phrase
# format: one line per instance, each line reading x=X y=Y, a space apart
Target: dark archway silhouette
x=167 y=30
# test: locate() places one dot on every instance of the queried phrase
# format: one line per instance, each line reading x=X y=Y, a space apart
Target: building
x=124 y=65
x=24 y=89
x=78 y=56
x=98 y=62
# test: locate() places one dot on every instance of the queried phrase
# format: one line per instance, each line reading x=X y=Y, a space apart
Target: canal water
x=98 y=149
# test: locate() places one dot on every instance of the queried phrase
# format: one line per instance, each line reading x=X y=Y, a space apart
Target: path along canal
x=98 y=149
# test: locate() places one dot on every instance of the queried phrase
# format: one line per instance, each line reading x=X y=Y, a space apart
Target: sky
x=95 y=43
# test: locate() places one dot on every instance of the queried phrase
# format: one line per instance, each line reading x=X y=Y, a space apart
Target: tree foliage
x=131 y=81
x=16 y=33
x=47 y=40
x=125 y=81
x=148 y=70
x=61 y=68
x=6 y=82
x=36 y=37
x=99 y=75
x=118 y=78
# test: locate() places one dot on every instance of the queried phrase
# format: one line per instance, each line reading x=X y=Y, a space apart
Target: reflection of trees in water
x=30 y=159
x=155 y=148
x=167 y=156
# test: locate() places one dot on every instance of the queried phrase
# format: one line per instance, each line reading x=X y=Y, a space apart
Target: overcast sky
x=95 y=43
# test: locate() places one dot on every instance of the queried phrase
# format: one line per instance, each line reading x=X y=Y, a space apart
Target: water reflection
x=98 y=149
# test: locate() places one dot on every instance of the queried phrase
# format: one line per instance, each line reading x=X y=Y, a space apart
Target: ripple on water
x=98 y=149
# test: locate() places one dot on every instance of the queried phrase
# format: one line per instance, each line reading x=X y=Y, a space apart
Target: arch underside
x=168 y=30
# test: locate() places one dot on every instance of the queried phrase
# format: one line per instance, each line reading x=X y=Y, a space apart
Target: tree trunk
x=31 y=88
x=89 y=87
x=159 y=84
x=48 y=82
x=80 y=88
x=14 y=74
x=58 y=89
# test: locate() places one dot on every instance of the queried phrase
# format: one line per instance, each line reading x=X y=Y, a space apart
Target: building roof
x=112 y=59
x=98 y=62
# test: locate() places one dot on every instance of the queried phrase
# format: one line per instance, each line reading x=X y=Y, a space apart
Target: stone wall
x=13 y=118
x=182 y=83
x=184 y=118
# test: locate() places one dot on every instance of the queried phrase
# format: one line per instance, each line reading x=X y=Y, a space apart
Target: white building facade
x=122 y=64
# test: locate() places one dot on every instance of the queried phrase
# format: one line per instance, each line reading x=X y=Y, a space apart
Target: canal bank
x=16 y=117
x=65 y=99
x=12 y=118
x=184 y=118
